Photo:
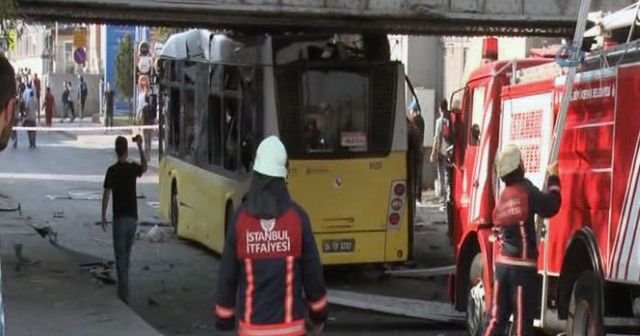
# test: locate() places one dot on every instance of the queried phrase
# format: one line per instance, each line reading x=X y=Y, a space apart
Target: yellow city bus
x=339 y=110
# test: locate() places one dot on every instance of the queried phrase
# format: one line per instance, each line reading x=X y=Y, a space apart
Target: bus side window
x=190 y=122
x=174 y=120
x=214 y=130
x=231 y=132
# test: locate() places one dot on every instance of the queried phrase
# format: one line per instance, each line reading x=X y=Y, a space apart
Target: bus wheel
x=585 y=308
x=175 y=208
x=475 y=301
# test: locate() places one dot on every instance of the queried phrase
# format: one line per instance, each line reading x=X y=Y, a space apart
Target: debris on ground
x=46 y=232
x=152 y=303
x=155 y=235
x=148 y=223
x=10 y=208
x=101 y=272
x=146 y=268
x=154 y=204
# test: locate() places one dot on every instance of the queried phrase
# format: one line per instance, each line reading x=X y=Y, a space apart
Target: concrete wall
x=56 y=82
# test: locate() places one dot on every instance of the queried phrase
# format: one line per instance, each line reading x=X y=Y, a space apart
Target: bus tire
x=585 y=308
x=475 y=302
x=175 y=207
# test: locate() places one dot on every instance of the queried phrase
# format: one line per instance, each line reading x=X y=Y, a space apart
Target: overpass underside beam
x=423 y=17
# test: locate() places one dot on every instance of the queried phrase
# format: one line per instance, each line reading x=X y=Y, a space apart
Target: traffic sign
x=80 y=38
x=144 y=64
x=144 y=48
x=80 y=56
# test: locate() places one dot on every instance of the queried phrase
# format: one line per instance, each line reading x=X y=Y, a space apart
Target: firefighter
x=271 y=275
x=516 y=256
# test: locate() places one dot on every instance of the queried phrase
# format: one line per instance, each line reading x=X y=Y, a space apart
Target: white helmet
x=509 y=160
x=271 y=158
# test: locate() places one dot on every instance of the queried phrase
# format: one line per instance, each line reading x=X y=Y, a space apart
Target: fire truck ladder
x=574 y=55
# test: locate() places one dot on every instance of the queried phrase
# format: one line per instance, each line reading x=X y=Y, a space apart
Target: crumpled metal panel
x=426 y=17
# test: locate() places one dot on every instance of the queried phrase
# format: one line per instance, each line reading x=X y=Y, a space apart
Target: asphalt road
x=172 y=282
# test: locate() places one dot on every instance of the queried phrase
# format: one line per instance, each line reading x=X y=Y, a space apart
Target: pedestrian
x=443 y=139
x=418 y=121
x=120 y=181
x=83 y=92
x=516 y=261
x=37 y=86
x=49 y=107
x=70 y=101
x=270 y=274
x=8 y=103
x=31 y=113
x=109 y=100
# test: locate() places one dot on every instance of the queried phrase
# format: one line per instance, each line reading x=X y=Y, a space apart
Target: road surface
x=172 y=283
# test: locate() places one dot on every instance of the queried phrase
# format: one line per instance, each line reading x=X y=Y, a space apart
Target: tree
x=7 y=10
x=10 y=25
x=124 y=70
x=162 y=34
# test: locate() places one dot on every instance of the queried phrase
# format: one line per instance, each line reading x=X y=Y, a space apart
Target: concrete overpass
x=424 y=17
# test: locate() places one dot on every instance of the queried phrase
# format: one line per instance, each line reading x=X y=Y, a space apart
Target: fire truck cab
x=589 y=263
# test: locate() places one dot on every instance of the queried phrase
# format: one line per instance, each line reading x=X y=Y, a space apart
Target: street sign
x=144 y=64
x=143 y=81
x=80 y=56
x=80 y=38
x=46 y=53
x=144 y=49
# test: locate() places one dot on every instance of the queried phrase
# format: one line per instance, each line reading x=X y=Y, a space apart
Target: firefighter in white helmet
x=517 y=253
x=271 y=275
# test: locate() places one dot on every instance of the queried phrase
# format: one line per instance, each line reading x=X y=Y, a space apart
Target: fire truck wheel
x=475 y=301
x=585 y=308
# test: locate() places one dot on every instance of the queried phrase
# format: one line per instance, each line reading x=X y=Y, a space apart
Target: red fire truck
x=590 y=252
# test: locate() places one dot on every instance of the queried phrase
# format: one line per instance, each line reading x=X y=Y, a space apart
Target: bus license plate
x=338 y=245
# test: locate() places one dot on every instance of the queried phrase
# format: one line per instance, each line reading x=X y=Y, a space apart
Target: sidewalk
x=86 y=123
x=53 y=296
x=106 y=137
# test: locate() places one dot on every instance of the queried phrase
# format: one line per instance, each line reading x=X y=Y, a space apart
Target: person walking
x=109 y=101
x=442 y=140
x=70 y=101
x=83 y=92
x=31 y=114
x=516 y=254
x=270 y=274
x=37 y=86
x=120 y=181
x=67 y=105
x=418 y=122
x=49 y=107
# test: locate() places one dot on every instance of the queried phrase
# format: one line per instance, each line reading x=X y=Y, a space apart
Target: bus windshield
x=337 y=112
x=335 y=107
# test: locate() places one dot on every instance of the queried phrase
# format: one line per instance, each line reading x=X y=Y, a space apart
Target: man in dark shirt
x=109 y=98
x=120 y=181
